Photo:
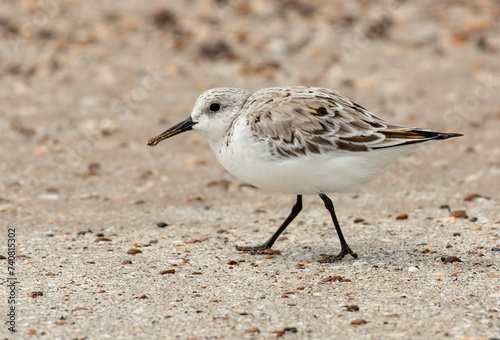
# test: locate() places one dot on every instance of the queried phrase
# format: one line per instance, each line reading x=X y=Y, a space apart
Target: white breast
x=337 y=171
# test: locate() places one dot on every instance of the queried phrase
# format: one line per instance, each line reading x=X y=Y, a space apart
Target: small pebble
x=458 y=214
x=164 y=19
x=107 y=127
x=161 y=224
x=253 y=330
x=352 y=308
x=126 y=262
x=472 y=197
x=102 y=239
x=222 y=184
x=402 y=217
x=359 y=322
x=450 y=259
x=93 y=169
x=335 y=278
x=271 y=252
x=133 y=251
x=168 y=271
x=35 y=294
x=413 y=269
x=195 y=199
x=214 y=50
x=195 y=240
x=279 y=334
x=193 y=161
x=51 y=197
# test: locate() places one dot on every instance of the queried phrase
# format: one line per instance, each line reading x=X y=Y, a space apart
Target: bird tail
x=441 y=135
x=411 y=136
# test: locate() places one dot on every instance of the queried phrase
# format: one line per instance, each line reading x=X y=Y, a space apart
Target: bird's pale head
x=212 y=115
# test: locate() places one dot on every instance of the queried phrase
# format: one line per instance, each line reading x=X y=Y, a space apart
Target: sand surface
x=84 y=84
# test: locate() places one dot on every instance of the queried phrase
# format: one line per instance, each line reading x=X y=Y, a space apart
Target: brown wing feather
x=304 y=120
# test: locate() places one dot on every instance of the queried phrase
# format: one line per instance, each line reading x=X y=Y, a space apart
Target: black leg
x=269 y=243
x=345 y=248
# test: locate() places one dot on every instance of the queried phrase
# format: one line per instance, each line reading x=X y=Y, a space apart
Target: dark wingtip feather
x=440 y=135
x=414 y=136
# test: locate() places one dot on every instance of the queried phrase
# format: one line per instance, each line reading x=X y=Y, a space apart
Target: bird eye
x=214 y=107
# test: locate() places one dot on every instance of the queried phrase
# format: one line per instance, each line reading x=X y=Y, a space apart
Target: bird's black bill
x=185 y=125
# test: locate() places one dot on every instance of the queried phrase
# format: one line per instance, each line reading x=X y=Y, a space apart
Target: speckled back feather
x=310 y=120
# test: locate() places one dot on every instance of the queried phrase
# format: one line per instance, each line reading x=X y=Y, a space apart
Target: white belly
x=338 y=171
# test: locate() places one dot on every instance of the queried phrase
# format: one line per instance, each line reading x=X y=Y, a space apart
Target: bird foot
x=334 y=258
x=263 y=249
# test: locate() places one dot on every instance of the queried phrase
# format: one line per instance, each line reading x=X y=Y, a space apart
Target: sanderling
x=299 y=140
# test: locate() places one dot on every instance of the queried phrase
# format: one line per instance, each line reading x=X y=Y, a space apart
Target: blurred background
x=84 y=84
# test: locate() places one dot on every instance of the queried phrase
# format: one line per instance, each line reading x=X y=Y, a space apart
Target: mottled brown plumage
x=317 y=120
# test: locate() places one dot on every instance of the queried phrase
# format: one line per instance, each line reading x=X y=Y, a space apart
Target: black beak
x=185 y=125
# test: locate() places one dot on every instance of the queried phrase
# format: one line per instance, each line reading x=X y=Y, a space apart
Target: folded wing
x=298 y=121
